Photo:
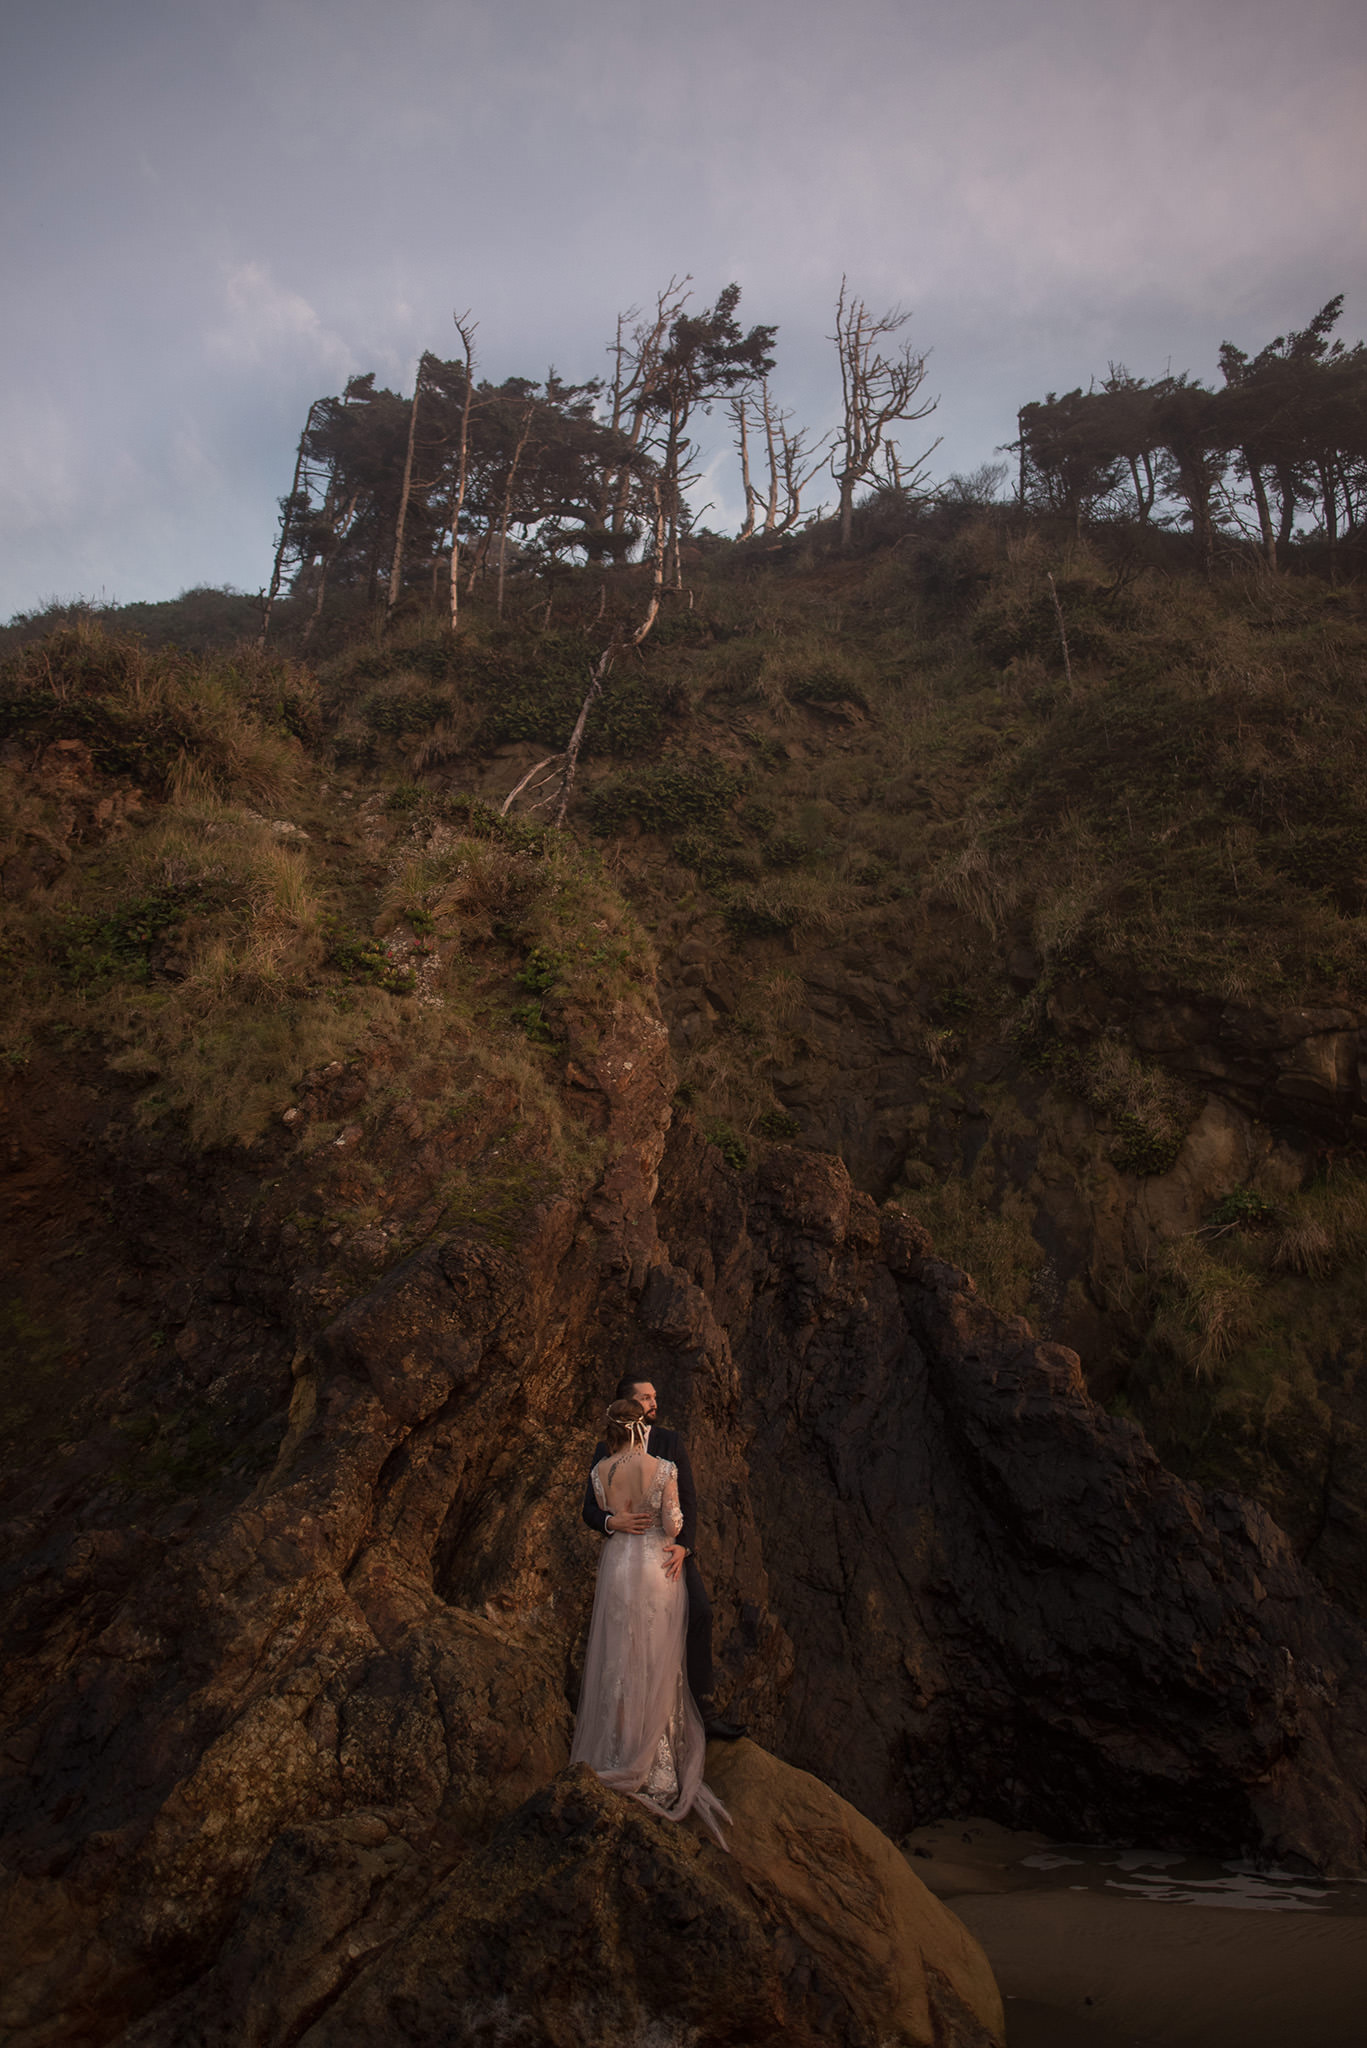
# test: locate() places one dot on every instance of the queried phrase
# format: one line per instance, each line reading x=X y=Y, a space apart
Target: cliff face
x=996 y=1595
x=944 y=1579
x=1231 y=1179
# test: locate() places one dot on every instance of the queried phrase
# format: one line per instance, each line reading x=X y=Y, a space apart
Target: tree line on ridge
x=1280 y=444
x=427 y=495
x=431 y=493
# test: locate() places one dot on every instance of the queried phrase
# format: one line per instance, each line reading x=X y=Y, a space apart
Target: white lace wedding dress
x=638 y=1726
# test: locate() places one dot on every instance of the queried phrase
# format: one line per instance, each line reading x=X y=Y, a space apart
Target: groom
x=666 y=1443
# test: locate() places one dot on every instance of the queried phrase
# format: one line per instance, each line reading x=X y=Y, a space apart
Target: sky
x=214 y=211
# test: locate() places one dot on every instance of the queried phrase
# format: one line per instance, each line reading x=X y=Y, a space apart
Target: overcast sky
x=214 y=211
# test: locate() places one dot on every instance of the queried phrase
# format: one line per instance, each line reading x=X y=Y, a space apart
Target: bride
x=638 y=1726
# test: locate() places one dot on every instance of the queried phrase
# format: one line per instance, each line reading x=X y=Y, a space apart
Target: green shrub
x=1245 y=1208
x=534 y=1021
x=537 y=695
x=679 y=792
x=433 y=659
x=678 y=627
x=540 y=972
x=393 y=713
x=1150 y=1109
x=715 y=860
x=362 y=959
x=119 y=945
x=824 y=684
x=154 y=717
x=731 y=1147
x=784 y=851
x=1207 y=1305
x=778 y=1125
x=993 y=1243
x=1143 y=1147
x=406 y=798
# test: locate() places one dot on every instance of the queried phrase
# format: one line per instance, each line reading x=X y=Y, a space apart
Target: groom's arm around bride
x=667 y=1443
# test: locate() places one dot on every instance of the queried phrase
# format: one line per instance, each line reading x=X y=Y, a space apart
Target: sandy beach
x=1096 y=1949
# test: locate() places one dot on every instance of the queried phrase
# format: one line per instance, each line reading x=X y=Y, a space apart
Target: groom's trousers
x=698 y=1652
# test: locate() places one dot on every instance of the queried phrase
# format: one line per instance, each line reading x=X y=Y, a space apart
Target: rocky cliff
x=1143 y=1160
x=340 y=1653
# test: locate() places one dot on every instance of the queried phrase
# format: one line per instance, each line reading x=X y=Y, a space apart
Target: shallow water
x=1098 y=1946
x=1176 y=1879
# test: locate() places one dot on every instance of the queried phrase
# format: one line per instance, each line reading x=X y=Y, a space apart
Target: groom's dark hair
x=626 y=1388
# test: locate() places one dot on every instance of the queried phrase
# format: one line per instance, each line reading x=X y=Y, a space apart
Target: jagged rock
x=327 y=1896
x=997 y=1596
x=585 y=1918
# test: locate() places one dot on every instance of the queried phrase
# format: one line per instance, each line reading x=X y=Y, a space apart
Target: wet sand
x=1084 y=1961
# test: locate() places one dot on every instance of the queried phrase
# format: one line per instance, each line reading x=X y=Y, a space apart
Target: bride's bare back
x=631 y=1482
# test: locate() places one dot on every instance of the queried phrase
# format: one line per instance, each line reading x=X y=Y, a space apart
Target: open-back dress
x=638 y=1726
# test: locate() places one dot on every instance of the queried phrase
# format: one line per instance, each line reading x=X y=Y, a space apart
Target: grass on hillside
x=883 y=755
x=1251 y=1330
x=163 y=909
x=810 y=749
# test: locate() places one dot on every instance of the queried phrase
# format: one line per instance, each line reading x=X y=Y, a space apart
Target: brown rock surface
x=586 y=1919
x=998 y=1598
x=853 y=1899
x=944 y=1580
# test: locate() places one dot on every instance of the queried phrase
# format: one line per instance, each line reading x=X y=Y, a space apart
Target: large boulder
x=909 y=1967
x=586 y=1918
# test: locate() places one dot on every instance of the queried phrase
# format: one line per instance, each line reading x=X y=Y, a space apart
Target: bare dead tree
x=791 y=465
x=396 y=570
x=479 y=555
x=465 y=328
x=636 y=362
x=879 y=381
x=798 y=465
x=625 y=382
x=679 y=478
x=739 y=409
x=541 y=776
x=603 y=665
x=1062 y=631
x=535 y=778
x=776 y=439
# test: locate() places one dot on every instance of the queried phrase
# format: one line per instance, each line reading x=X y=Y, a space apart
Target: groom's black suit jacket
x=661 y=1443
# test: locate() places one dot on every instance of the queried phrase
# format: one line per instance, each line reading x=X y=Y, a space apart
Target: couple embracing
x=645 y=1706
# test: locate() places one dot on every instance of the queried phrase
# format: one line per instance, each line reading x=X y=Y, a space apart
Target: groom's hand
x=627 y=1525
x=674 y=1555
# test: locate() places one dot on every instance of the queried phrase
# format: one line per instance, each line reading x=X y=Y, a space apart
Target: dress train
x=638 y=1726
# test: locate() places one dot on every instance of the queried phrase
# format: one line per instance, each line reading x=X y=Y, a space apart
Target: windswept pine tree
x=467 y=474
x=1279 y=447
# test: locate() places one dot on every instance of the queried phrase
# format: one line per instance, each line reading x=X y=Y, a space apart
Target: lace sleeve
x=596 y=1477
x=670 y=1512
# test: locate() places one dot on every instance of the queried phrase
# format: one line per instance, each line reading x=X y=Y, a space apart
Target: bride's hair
x=626 y=1424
